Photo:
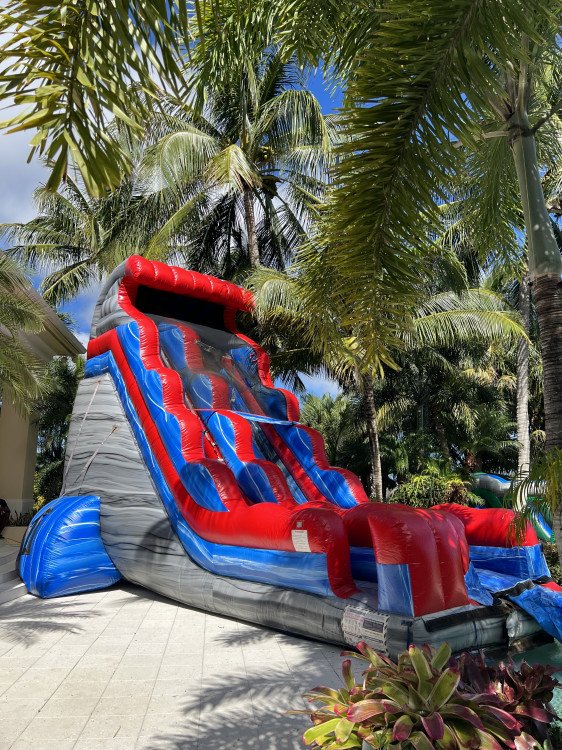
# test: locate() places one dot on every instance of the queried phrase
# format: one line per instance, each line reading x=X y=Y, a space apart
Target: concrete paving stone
x=117 y=743
x=145 y=660
x=166 y=724
x=66 y=707
x=87 y=689
x=87 y=673
x=53 y=728
x=192 y=659
x=110 y=727
x=145 y=648
x=23 y=708
x=174 y=687
x=131 y=705
x=38 y=693
x=179 y=672
x=43 y=745
x=139 y=671
x=100 y=660
x=168 y=741
x=60 y=657
x=169 y=704
x=52 y=676
x=9 y=675
x=125 y=688
x=10 y=730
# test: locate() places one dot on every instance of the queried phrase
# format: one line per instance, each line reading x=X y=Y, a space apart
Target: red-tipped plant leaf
x=462 y=712
x=441 y=657
x=433 y=725
x=402 y=728
x=343 y=730
x=348 y=677
x=420 y=664
x=419 y=741
x=535 y=712
x=319 y=730
x=444 y=688
x=487 y=741
x=365 y=709
x=508 y=720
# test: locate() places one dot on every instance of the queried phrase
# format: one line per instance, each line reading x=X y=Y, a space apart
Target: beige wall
x=18 y=450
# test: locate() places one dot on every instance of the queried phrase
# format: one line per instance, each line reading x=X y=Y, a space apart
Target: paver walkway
x=124 y=668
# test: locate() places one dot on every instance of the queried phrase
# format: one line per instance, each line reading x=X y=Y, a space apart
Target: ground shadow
x=227 y=718
x=23 y=622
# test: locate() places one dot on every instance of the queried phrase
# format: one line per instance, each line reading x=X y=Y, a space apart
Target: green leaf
x=441 y=656
x=343 y=730
x=444 y=689
x=419 y=741
x=420 y=664
x=320 y=731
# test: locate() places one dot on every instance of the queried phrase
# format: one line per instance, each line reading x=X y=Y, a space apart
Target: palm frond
x=73 y=62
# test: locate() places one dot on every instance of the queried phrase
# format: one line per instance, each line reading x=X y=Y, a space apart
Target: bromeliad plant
x=426 y=701
x=525 y=693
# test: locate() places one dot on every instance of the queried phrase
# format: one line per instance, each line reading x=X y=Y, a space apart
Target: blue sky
x=18 y=180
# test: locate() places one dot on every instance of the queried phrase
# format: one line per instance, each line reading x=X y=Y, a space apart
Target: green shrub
x=429 y=488
x=20 y=519
x=551 y=556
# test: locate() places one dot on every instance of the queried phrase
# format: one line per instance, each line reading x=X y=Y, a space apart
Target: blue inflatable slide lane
x=188 y=472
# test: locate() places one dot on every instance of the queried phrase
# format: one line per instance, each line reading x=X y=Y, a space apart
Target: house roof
x=56 y=338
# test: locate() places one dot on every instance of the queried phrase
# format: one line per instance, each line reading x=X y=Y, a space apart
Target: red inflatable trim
x=490 y=527
x=432 y=545
x=142 y=272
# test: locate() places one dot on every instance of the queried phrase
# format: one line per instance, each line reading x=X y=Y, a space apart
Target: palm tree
x=76 y=239
x=457 y=402
x=54 y=409
x=20 y=371
x=249 y=169
x=440 y=89
x=216 y=191
x=333 y=346
x=340 y=420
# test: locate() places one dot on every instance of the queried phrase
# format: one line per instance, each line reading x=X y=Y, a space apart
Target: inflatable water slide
x=494 y=489
x=188 y=472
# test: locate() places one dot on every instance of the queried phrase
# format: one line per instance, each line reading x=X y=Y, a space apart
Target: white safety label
x=300 y=540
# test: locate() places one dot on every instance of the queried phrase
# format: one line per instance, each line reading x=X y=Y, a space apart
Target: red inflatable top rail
x=152 y=273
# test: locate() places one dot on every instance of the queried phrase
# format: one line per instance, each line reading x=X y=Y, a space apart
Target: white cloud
x=18 y=179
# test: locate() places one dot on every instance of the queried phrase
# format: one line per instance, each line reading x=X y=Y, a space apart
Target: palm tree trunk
x=367 y=386
x=523 y=381
x=253 y=249
x=545 y=271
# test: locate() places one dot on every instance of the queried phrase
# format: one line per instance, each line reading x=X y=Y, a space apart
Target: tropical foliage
x=426 y=699
x=407 y=249
x=219 y=190
x=20 y=314
x=433 y=488
x=340 y=419
x=443 y=322
x=54 y=410
x=249 y=166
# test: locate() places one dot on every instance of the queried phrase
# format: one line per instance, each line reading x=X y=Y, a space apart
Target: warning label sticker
x=300 y=540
